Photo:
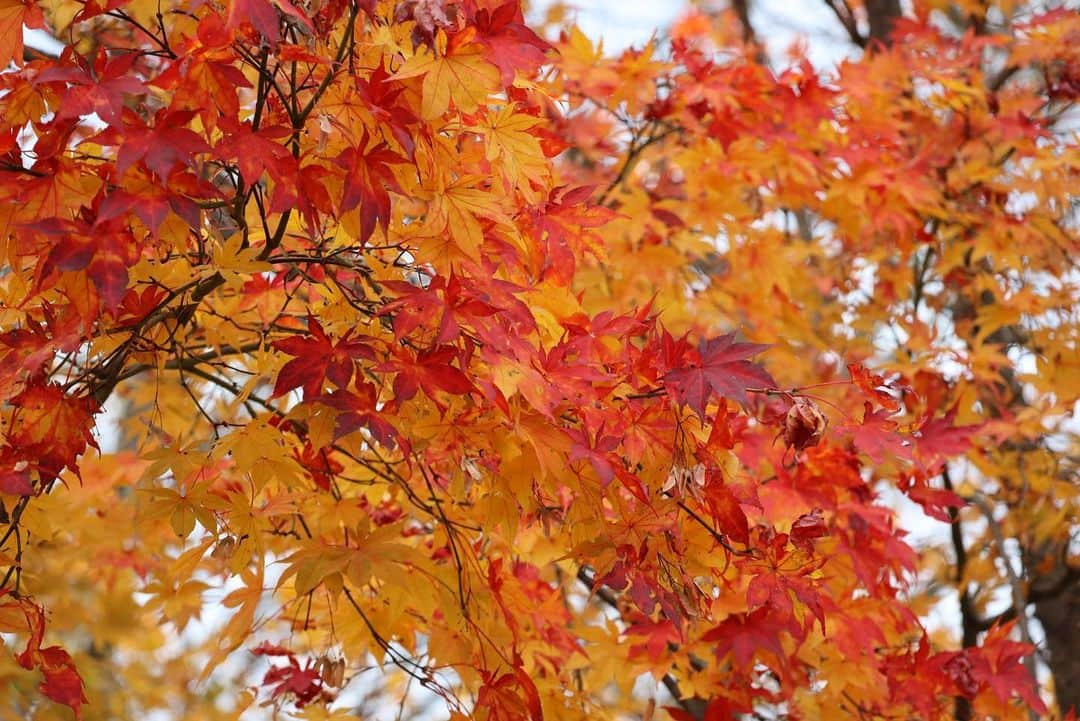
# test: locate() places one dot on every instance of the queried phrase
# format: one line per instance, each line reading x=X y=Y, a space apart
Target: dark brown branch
x=1016 y=587
x=846 y=17
x=968 y=615
x=189 y=362
x=749 y=35
x=882 y=15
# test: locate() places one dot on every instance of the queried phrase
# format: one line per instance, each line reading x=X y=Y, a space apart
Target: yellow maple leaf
x=456 y=72
x=11 y=40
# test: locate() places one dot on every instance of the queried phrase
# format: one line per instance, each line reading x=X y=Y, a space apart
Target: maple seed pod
x=225 y=549
x=804 y=424
x=332 y=671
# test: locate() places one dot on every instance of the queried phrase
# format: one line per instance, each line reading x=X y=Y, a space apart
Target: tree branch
x=1019 y=601
x=846 y=17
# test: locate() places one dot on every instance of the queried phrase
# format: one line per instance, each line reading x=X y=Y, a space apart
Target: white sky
x=622 y=23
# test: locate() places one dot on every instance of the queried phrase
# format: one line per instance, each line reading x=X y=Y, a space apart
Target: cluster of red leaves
x=60 y=680
x=301 y=684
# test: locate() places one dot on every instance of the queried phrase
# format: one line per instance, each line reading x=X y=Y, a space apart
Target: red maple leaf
x=15 y=474
x=564 y=228
x=769 y=589
x=358 y=410
x=368 y=176
x=304 y=684
x=719 y=366
x=877 y=435
x=50 y=428
x=162 y=147
x=60 y=679
x=808 y=527
x=26 y=351
x=996 y=664
x=380 y=96
x=453 y=300
x=263 y=16
x=745 y=635
x=719 y=709
x=657 y=636
x=100 y=90
x=318 y=357
x=308 y=194
x=430 y=370
x=597 y=452
x=256 y=152
x=875 y=386
x=103 y=248
x=725 y=509
x=513 y=45
x=61 y=682
x=509 y=697
x=934 y=501
x=151 y=206
x=938 y=438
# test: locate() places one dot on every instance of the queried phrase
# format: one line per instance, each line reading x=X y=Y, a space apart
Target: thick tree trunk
x=882 y=15
x=1060 y=617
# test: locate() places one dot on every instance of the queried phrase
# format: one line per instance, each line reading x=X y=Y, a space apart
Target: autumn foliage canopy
x=366 y=356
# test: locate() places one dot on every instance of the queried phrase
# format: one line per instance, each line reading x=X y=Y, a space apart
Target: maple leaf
x=513 y=45
x=808 y=527
x=725 y=508
x=32 y=346
x=357 y=410
x=430 y=370
x=50 y=427
x=746 y=635
x=937 y=439
x=305 y=683
x=256 y=152
x=875 y=386
x=384 y=100
x=199 y=188
x=368 y=177
x=720 y=367
x=769 y=590
x=510 y=697
x=997 y=664
x=456 y=71
x=309 y=193
x=263 y=16
x=565 y=225
x=719 y=708
x=161 y=147
x=934 y=501
x=101 y=249
x=270 y=649
x=101 y=90
x=598 y=452
x=151 y=207
x=61 y=681
x=13 y=14
x=16 y=477
x=460 y=300
x=319 y=358
x=658 y=636
x=877 y=436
